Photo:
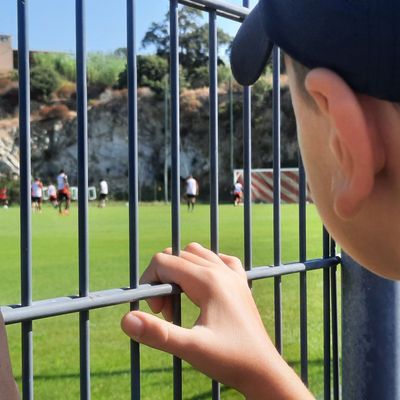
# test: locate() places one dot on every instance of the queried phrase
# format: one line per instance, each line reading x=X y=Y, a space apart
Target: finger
x=200 y=251
x=233 y=263
x=155 y=332
x=156 y=304
x=162 y=305
x=166 y=268
x=198 y=260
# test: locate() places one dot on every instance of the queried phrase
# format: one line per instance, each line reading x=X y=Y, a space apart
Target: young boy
x=342 y=59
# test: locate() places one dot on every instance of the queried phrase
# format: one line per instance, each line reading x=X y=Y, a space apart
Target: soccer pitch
x=55 y=274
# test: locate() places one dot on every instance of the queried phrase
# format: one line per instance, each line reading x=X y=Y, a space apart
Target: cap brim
x=251 y=48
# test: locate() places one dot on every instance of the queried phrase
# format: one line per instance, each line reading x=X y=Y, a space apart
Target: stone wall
x=6 y=54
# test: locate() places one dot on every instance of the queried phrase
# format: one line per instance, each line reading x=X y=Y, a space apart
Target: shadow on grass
x=311 y=363
x=100 y=374
x=319 y=363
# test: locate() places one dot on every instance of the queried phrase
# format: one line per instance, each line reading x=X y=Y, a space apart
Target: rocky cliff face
x=54 y=143
x=9 y=148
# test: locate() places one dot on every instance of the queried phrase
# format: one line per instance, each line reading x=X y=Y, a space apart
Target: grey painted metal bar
x=214 y=195
x=81 y=92
x=248 y=256
x=213 y=150
x=105 y=298
x=133 y=186
x=25 y=193
x=223 y=8
x=370 y=334
x=327 y=325
x=231 y=127
x=166 y=138
x=277 y=194
x=335 y=330
x=303 y=275
x=175 y=173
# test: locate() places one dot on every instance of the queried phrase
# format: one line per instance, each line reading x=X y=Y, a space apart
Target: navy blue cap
x=358 y=39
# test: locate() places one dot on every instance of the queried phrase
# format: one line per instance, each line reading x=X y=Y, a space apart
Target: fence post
x=370 y=334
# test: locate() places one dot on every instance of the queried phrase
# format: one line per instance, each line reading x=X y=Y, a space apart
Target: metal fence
x=28 y=310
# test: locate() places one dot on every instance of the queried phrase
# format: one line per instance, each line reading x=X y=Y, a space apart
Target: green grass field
x=55 y=274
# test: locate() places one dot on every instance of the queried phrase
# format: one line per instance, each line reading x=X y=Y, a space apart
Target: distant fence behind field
x=262 y=185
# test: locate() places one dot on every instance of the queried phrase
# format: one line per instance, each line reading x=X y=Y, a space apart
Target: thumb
x=155 y=332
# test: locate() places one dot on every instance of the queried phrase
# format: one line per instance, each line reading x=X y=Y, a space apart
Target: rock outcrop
x=54 y=140
x=9 y=147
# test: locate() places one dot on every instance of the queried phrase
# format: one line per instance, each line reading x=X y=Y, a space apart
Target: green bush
x=104 y=69
x=63 y=64
x=44 y=81
x=151 y=71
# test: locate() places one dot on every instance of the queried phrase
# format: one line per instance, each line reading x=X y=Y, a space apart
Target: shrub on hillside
x=66 y=91
x=59 y=111
x=152 y=70
x=103 y=69
x=44 y=81
x=63 y=64
x=9 y=101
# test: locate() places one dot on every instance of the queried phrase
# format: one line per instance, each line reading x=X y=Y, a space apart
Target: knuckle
x=157 y=258
x=167 y=250
x=192 y=246
x=236 y=261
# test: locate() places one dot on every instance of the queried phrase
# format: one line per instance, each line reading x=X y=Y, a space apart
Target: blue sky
x=51 y=23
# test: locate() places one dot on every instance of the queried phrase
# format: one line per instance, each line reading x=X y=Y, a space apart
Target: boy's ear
x=352 y=139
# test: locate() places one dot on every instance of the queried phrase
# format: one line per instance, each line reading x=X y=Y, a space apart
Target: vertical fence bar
x=214 y=217
x=25 y=208
x=133 y=186
x=335 y=337
x=277 y=194
x=213 y=132
x=175 y=173
x=303 y=275
x=327 y=325
x=166 y=141
x=248 y=257
x=370 y=334
x=231 y=138
x=81 y=92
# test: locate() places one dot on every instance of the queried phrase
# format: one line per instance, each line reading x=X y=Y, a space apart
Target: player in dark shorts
x=37 y=194
x=63 y=192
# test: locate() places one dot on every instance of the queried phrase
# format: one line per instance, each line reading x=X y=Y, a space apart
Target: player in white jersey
x=63 y=193
x=237 y=193
x=37 y=194
x=192 y=191
x=52 y=192
x=103 y=193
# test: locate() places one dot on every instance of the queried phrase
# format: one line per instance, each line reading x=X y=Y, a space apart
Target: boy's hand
x=8 y=387
x=228 y=341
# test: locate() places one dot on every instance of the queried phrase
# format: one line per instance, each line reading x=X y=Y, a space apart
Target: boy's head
x=341 y=58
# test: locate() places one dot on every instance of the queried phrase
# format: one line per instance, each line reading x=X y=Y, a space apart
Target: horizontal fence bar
x=223 y=9
x=66 y=305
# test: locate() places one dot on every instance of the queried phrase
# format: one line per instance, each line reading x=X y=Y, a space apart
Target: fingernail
x=132 y=325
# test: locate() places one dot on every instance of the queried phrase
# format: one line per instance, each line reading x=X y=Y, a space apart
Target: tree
x=193 y=42
x=151 y=70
